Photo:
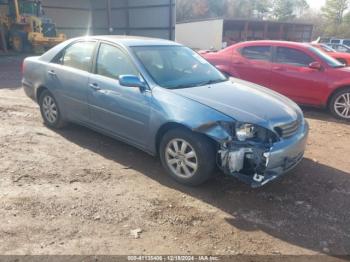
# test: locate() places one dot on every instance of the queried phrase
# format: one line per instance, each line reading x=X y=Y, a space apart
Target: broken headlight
x=238 y=131
x=245 y=131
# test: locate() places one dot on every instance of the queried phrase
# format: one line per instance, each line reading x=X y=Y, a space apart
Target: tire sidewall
x=204 y=149
x=332 y=103
x=58 y=122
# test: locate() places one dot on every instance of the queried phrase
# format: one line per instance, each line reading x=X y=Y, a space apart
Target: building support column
x=127 y=24
x=170 y=19
x=281 y=32
x=266 y=30
x=294 y=38
x=246 y=28
x=3 y=38
x=91 y=28
x=109 y=17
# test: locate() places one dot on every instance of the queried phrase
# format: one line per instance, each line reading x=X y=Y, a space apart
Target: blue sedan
x=167 y=100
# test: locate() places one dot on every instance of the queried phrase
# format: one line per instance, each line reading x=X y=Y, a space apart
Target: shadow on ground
x=322 y=115
x=310 y=207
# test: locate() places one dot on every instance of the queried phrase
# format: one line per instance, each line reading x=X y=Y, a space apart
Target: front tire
x=340 y=104
x=187 y=157
x=50 y=111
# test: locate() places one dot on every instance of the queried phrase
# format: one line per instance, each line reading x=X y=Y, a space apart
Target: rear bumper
x=282 y=157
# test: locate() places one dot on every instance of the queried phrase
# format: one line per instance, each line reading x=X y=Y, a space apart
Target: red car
x=299 y=71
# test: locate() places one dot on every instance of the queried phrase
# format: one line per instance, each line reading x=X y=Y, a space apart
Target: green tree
x=198 y=9
x=247 y=8
x=283 y=10
x=287 y=10
x=337 y=18
x=334 y=10
x=262 y=8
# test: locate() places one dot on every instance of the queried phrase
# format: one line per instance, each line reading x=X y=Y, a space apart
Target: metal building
x=153 y=18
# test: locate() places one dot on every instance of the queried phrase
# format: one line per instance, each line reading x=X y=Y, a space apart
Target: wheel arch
x=335 y=91
x=39 y=91
x=174 y=125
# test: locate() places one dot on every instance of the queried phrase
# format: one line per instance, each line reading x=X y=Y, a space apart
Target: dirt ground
x=78 y=192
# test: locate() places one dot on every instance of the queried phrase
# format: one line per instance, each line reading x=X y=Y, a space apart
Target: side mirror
x=132 y=81
x=316 y=66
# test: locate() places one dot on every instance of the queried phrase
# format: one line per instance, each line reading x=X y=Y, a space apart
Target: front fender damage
x=247 y=161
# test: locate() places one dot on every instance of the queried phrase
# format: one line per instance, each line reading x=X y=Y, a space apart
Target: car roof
x=274 y=43
x=130 y=40
x=122 y=40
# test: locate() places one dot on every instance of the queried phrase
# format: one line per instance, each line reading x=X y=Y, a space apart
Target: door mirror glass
x=131 y=81
x=315 y=65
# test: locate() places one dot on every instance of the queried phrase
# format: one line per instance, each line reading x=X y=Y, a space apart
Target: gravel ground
x=78 y=192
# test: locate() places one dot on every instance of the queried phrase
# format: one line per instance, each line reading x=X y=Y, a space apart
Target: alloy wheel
x=50 y=109
x=342 y=105
x=181 y=158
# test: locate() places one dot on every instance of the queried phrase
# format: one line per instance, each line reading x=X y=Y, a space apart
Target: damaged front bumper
x=257 y=164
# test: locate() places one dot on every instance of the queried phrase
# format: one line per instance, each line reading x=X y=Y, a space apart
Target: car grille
x=288 y=130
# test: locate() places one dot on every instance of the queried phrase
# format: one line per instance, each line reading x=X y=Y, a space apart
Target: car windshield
x=175 y=67
x=326 y=58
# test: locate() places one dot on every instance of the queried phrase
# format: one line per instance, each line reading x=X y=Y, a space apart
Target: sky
x=316 y=4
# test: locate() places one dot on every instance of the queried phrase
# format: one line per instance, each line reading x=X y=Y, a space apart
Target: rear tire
x=50 y=111
x=339 y=104
x=192 y=161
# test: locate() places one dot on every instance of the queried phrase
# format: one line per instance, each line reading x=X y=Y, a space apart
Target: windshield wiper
x=211 y=82
x=182 y=86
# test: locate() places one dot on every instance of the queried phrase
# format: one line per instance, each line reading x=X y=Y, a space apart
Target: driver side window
x=291 y=56
x=112 y=62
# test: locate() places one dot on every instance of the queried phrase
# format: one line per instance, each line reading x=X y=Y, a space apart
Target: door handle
x=94 y=87
x=278 y=68
x=51 y=73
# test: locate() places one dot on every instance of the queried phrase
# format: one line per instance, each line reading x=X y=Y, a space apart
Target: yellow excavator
x=25 y=28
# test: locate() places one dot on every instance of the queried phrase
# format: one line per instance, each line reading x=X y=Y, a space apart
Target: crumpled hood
x=245 y=102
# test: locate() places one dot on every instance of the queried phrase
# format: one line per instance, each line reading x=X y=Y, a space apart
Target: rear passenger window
x=285 y=55
x=79 y=55
x=257 y=52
